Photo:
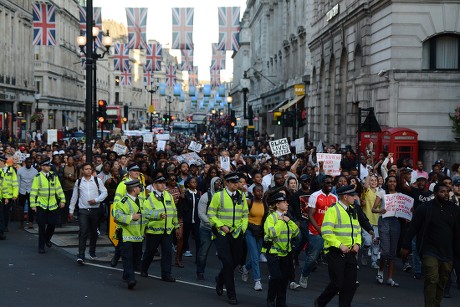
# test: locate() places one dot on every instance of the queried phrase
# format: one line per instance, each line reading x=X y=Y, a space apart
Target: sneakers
x=407 y=267
x=293 y=285
x=244 y=274
x=392 y=283
x=188 y=254
x=80 y=261
x=262 y=258
x=374 y=265
x=303 y=281
x=92 y=256
x=258 y=286
x=380 y=279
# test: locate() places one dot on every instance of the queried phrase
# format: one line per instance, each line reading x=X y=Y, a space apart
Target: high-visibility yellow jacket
x=132 y=231
x=155 y=208
x=279 y=234
x=45 y=192
x=340 y=227
x=120 y=192
x=10 y=186
x=223 y=211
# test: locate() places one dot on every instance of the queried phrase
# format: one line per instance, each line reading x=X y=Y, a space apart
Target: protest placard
x=331 y=163
x=21 y=156
x=280 y=147
x=52 y=136
x=148 y=138
x=398 y=205
x=161 y=145
x=195 y=146
x=162 y=137
x=299 y=145
x=191 y=157
x=225 y=163
x=120 y=149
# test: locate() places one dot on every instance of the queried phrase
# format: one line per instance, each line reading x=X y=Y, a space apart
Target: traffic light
x=278 y=118
x=102 y=110
x=117 y=81
x=124 y=120
x=289 y=118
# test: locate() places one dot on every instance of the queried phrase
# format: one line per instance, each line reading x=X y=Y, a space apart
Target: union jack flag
x=187 y=60
x=44 y=23
x=97 y=17
x=215 y=78
x=126 y=78
x=182 y=28
x=121 y=57
x=149 y=78
x=154 y=57
x=171 y=78
x=193 y=76
x=137 y=27
x=218 y=58
x=229 y=28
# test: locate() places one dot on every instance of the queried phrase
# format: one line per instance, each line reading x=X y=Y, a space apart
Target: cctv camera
x=382 y=73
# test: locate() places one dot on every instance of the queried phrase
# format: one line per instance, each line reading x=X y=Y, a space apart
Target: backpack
x=78 y=187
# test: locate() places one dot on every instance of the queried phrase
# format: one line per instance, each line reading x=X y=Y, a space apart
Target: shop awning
x=291 y=103
x=279 y=105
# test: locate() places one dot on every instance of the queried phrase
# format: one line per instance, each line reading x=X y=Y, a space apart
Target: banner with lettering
x=398 y=205
x=280 y=147
x=331 y=163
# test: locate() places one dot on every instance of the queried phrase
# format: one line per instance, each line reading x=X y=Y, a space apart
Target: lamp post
x=229 y=117
x=91 y=57
x=37 y=100
x=152 y=90
x=169 y=100
x=245 y=85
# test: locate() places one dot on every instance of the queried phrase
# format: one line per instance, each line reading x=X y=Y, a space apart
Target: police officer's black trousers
x=131 y=253
x=229 y=250
x=46 y=220
x=151 y=245
x=280 y=270
x=342 y=274
x=6 y=212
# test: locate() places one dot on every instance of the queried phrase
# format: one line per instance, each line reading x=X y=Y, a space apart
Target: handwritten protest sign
x=162 y=137
x=190 y=158
x=148 y=138
x=21 y=156
x=161 y=145
x=225 y=163
x=52 y=136
x=398 y=205
x=331 y=163
x=195 y=146
x=280 y=147
x=299 y=145
x=120 y=149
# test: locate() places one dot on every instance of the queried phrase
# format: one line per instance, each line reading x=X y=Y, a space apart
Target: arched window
x=442 y=52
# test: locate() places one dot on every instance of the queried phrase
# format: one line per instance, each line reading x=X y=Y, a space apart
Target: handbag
x=257 y=230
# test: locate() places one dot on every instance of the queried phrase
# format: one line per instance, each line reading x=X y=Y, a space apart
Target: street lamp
x=229 y=103
x=37 y=100
x=245 y=85
x=90 y=104
x=152 y=90
x=169 y=100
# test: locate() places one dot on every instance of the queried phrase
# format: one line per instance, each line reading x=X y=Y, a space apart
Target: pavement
x=54 y=279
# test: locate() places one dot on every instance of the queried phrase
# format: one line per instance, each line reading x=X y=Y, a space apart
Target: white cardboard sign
x=280 y=147
x=52 y=136
x=225 y=163
x=398 y=205
x=299 y=145
x=194 y=146
x=331 y=163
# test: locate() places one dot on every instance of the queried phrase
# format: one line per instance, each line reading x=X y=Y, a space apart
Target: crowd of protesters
x=261 y=177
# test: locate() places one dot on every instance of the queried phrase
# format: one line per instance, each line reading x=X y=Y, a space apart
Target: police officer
x=131 y=216
x=133 y=173
x=44 y=196
x=342 y=239
x=2 y=227
x=163 y=220
x=10 y=189
x=228 y=215
x=279 y=230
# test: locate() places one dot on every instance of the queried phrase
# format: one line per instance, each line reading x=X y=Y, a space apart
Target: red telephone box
x=370 y=142
x=403 y=142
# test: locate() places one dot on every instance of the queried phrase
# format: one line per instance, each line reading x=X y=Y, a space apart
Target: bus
x=199 y=118
x=113 y=117
x=184 y=128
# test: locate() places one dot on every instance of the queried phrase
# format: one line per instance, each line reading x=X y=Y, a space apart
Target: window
x=442 y=52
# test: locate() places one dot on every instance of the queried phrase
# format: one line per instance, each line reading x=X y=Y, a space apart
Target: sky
x=159 y=25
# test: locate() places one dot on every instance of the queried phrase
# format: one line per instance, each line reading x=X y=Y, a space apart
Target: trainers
x=407 y=267
x=244 y=274
x=293 y=285
x=92 y=257
x=303 y=281
x=262 y=258
x=374 y=265
x=188 y=254
x=380 y=279
x=258 y=286
x=392 y=283
x=363 y=260
x=80 y=261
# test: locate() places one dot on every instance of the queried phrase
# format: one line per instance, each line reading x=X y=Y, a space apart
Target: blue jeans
x=315 y=246
x=202 y=253
x=254 y=245
x=416 y=262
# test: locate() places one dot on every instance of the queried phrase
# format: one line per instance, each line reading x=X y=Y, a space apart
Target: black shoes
x=49 y=244
x=271 y=303
x=41 y=250
x=199 y=276
x=219 y=287
x=80 y=261
x=168 y=278
x=232 y=300
x=144 y=274
x=131 y=284
x=113 y=262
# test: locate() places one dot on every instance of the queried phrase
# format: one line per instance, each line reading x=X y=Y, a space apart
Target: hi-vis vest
x=120 y=192
x=10 y=186
x=46 y=192
x=339 y=227
x=279 y=234
x=133 y=231
x=223 y=211
x=155 y=207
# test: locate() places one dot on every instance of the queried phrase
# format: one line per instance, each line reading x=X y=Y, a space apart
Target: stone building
x=16 y=66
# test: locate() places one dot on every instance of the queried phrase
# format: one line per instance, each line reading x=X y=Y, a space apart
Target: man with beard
x=434 y=223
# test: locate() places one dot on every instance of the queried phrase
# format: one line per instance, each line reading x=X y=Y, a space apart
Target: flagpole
x=89 y=81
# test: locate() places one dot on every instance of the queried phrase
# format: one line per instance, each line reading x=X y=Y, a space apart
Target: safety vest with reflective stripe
x=46 y=192
x=120 y=192
x=133 y=231
x=155 y=207
x=223 y=211
x=339 y=227
x=10 y=186
x=280 y=234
